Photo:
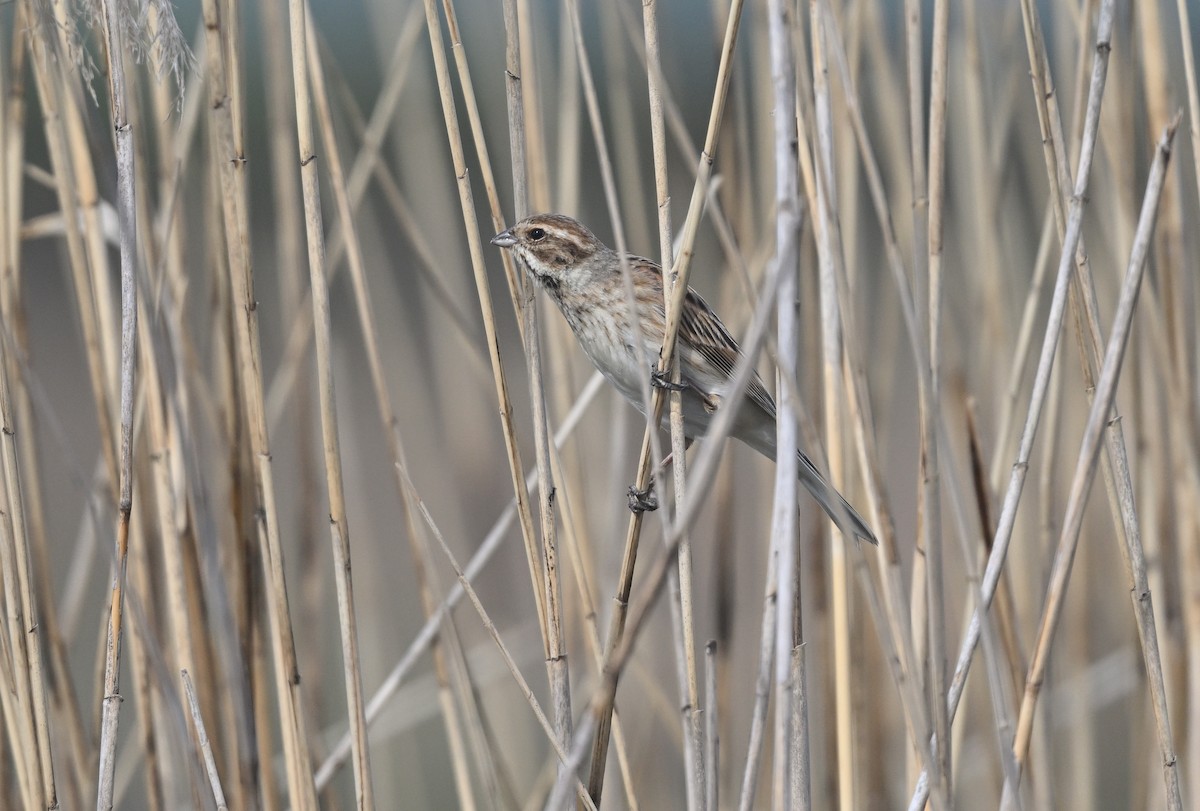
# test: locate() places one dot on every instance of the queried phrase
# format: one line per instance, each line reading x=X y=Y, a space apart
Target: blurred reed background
x=271 y=518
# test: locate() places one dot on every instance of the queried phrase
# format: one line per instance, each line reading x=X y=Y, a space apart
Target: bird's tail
x=845 y=516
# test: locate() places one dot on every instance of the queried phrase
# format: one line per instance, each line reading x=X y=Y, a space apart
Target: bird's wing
x=709 y=353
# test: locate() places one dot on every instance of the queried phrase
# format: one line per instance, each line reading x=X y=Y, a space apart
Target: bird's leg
x=641 y=501
x=659 y=379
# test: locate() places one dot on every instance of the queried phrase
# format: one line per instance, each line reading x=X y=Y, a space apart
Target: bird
x=583 y=277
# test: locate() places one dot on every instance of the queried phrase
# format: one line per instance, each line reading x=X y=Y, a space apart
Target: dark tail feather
x=845 y=516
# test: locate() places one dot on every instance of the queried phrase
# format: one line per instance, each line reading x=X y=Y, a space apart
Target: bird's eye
x=537 y=234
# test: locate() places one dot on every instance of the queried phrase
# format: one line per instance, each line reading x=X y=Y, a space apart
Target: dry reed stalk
x=129 y=307
x=1177 y=279
x=290 y=257
x=914 y=50
x=628 y=151
x=303 y=50
x=789 y=788
x=230 y=162
x=830 y=259
x=712 y=743
x=210 y=762
x=1193 y=95
x=930 y=405
x=762 y=688
x=156 y=769
x=536 y=167
x=846 y=165
x=800 y=768
x=570 y=142
x=983 y=178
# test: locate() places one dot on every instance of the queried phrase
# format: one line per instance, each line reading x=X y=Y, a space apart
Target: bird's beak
x=505 y=239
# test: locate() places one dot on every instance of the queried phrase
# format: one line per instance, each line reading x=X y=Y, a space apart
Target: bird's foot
x=659 y=380
x=641 y=501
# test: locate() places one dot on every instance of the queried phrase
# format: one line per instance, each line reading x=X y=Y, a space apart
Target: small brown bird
x=583 y=276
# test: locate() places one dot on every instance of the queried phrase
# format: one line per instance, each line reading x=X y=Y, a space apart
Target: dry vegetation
x=973 y=285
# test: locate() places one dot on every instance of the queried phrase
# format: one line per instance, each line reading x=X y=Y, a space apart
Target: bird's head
x=556 y=249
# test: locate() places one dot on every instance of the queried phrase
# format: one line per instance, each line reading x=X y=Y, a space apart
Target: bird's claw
x=641 y=501
x=659 y=380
